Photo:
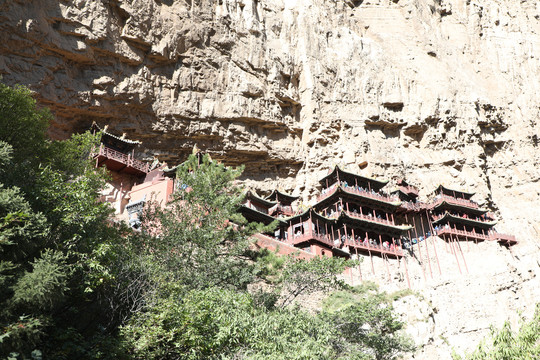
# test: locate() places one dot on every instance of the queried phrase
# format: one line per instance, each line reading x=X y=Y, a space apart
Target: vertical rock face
x=435 y=91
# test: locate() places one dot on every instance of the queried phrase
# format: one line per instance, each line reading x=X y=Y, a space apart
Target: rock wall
x=436 y=91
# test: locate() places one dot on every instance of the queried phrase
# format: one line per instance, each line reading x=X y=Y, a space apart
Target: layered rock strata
x=434 y=91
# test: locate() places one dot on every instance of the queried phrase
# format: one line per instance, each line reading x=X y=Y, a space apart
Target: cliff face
x=435 y=91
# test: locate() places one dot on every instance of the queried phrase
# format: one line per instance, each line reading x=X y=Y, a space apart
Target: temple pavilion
x=118 y=154
x=455 y=215
x=351 y=216
x=284 y=203
x=363 y=215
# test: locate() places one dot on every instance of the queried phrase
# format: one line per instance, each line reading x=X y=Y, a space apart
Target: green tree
x=51 y=228
x=505 y=344
x=200 y=239
x=196 y=250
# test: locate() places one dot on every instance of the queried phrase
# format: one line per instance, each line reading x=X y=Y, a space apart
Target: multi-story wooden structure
x=455 y=215
x=351 y=216
x=284 y=203
x=363 y=215
x=118 y=154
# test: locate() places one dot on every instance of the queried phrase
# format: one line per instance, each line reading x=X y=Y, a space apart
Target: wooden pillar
x=311 y=224
x=455 y=253
x=434 y=246
x=462 y=255
x=419 y=247
x=385 y=259
x=406 y=272
x=371 y=258
x=427 y=248
x=359 y=264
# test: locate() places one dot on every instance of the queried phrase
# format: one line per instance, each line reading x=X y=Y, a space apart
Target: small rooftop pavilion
x=337 y=175
x=118 y=154
x=459 y=194
x=281 y=197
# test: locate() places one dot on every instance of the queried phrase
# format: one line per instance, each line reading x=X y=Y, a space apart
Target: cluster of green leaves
x=505 y=344
x=74 y=285
x=51 y=223
x=200 y=306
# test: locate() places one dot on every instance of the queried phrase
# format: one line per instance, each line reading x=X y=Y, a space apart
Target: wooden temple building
x=118 y=154
x=353 y=215
x=455 y=215
x=133 y=181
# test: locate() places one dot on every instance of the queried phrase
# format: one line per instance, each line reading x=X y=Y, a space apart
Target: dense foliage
x=505 y=344
x=51 y=224
x=201 y=307
x=75 y=285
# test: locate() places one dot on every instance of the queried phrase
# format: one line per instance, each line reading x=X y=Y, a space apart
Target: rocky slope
x=430 y=90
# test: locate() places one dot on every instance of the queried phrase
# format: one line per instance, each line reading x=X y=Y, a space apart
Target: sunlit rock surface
x=440 y=91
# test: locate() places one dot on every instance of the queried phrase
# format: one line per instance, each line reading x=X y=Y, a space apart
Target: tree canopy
x=188 y=285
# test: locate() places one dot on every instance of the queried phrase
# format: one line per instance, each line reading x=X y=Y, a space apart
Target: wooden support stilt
x=463 y=256
x=385 y=259
x=406 y=272
x=371 y=258
x=455 y=253
x=359 y=264
x=427 y=248
x=433 y=243
x=419 y=248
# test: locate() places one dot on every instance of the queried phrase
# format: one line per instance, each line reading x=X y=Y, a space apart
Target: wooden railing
x=311 y=235
x=408 y=189
x=471 y=234
x=456 y=201
x=325 y=239
x=478 y=219
x=126 y=159
x=392 y=249
x=285 y=209
x=370 y=218
x=419 y=206
x=260 y=209
x=352 y=190
x=503 y=237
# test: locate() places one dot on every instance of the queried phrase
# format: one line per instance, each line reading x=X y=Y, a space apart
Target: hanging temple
x=353 y=216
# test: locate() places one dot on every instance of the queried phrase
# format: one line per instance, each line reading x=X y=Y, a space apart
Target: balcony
x=281 y=209
x=370 y=218
x=478 y=220
x=463 y=234
x=503 y=238
x=408 y=190
x=117 y=161
x=393 y=200
x=455 y=201
x=393 y=250
x=416 y=207
x=311 y=235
